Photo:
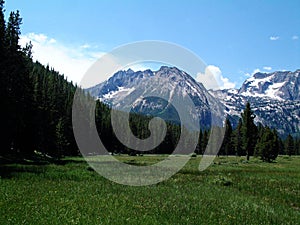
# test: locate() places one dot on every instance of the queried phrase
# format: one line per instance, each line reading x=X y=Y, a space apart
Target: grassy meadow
x=231 y=191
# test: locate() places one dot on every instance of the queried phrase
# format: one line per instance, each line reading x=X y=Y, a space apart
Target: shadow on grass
x=10 y=170
x=10 y=167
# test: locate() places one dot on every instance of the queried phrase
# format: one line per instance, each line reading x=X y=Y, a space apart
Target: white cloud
x=72 y=61
x=295 y=37
x=274 y=38
x=141 y=66
x=85 y=46
x=256 y=71
x=265 y=69
x=268 y=68
x=213 y=79
x=52 y=41
x=41 y=38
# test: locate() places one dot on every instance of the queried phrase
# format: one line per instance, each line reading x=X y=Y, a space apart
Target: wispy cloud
x=274 y=38
x=265 y=69
x=213 y=79
x=268 y=68
x=257 y=70
x=72 y=61
x=145 y=66
x=295 y=37
x=85 y=46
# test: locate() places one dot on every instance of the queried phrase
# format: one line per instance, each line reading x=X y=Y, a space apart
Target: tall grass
x=231 y=191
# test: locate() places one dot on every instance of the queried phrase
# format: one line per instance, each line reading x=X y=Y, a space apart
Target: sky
x=235 y=38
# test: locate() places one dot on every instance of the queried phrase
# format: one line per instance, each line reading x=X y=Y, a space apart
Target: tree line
x=249 y=139
x=36 y=113
x=36 y=101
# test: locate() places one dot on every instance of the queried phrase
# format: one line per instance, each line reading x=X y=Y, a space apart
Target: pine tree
x=260 y=132
x=289 y=145
x=61 y=140
x=13 y=31
x=226 y=148
x=268 y=145
x=249 y=131
x=4 y=112
x=204 y=140
x=237 y=139
x=297 y=146
x=199 y=145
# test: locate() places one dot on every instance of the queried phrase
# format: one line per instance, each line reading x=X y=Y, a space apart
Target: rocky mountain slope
x=274 y=97
x=168 y=83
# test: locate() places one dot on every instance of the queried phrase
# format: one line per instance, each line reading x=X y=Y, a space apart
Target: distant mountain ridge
x=274 y=97
x=280 y=85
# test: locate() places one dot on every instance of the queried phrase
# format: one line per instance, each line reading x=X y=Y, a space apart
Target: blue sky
x=235 y=38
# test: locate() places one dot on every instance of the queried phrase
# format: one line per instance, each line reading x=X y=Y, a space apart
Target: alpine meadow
x=149 y=143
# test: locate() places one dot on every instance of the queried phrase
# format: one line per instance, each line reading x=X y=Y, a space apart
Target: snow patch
x=273 y=89
x=121 y=91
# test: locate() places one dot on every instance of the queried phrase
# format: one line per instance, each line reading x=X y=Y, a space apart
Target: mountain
x=274 y=98
x=136 y=88
x=280 y=85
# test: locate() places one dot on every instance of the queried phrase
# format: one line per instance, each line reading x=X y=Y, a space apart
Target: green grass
x=231 y=191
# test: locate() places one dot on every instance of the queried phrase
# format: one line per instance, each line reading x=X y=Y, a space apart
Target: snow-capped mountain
x=274 y=98
x=129 y=87
x=277 y=85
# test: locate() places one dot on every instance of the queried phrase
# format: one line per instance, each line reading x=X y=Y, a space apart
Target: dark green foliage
x=16 y=90
x=36 y=102
x=249 y=131
x=227 y=145
x=199 y=149
x=268 y=145
x=61 y=139
x=53 y=98
x=139 y=127
x=297 y=147
x=204 y=141
x=237 y=140
x=289 y=145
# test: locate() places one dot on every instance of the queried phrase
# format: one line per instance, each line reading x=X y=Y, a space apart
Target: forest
x=36 y=111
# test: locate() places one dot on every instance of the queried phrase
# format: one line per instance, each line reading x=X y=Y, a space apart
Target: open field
x=230 y=191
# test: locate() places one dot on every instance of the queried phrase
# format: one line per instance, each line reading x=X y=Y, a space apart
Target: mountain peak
x=129 y=71
x=260 y=75
x=280 y=85
x=126 y=87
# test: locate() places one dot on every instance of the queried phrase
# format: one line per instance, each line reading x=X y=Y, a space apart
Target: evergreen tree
x=297 y=146
x=204 y=140
x=199 y=145
x=4 y=112
x=237 y=139
x=268 y=146
x=289 y=145
x=227 y=147
x=61 y=140
x=249 y=131
x=260 y=131
x=16 y=95
x=13 y=31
